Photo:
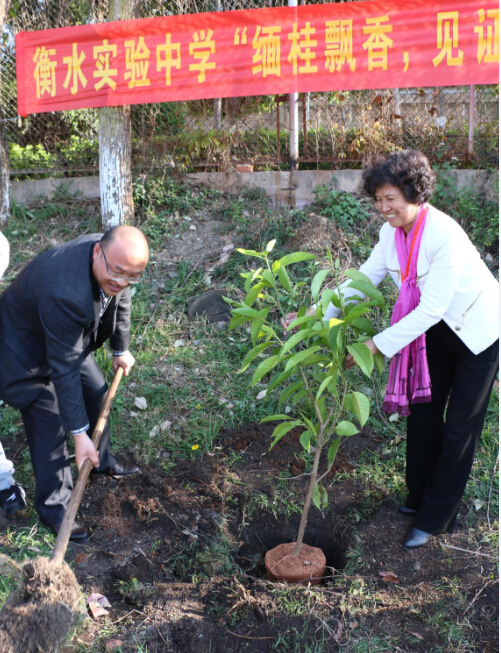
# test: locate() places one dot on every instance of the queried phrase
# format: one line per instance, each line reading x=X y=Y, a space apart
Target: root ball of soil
x=41 y=612
x=308 y=567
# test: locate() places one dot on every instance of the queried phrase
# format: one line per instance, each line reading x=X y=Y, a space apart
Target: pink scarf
x=409 y=377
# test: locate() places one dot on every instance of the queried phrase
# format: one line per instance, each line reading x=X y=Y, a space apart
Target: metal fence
x=338 y=129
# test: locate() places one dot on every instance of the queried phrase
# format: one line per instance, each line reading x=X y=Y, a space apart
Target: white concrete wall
x=283 y=189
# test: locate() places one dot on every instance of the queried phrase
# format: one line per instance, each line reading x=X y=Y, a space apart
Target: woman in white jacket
x=443 y=341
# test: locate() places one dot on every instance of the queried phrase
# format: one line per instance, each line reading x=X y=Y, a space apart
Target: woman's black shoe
x=409 y=512
x=416 y=538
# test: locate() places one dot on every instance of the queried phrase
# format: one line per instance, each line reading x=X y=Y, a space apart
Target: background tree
x=115 y=146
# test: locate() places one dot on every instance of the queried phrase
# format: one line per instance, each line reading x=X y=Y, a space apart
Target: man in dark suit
x=60 y=308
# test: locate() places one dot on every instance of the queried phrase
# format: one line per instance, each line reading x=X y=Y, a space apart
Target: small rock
x=179 y=343
x=193 y=227
x=416 y=566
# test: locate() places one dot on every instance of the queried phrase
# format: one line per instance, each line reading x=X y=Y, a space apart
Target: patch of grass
x=134 y=591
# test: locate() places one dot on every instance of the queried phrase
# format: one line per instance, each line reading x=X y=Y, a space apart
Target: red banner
x=347 y=46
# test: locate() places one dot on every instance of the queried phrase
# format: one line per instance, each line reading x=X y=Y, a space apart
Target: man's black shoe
x=78 y=532
x=118 y=470
x=416 y=538
x=13 y=499
x=405 y=510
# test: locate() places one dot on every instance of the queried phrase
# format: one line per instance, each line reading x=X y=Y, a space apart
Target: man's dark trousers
x=48 y=442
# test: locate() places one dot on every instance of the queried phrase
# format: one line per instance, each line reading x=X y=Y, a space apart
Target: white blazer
x=456 y=286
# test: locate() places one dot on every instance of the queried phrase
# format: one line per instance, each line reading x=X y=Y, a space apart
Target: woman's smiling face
x=395 y=208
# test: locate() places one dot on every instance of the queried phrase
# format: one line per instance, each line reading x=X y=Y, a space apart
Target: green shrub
x=343 y=208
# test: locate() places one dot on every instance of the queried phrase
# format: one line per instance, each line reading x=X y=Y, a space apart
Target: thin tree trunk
x=4 y=150
x=115 y=146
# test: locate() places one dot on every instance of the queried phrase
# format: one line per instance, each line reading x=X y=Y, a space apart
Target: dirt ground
x=158 y=528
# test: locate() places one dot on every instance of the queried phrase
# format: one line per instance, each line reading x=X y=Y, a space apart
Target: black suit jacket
x=49 y=323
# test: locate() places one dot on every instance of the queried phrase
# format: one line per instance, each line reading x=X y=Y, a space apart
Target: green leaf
x=236 y=321
x=331 y=454
x=326 y=382
x=321 y=408
x=305 y=439
x=251 y=312
x=329 y=296
x=273 y=418
x=363 y=357
x=301 y=355
x=256 y=326
x=251 y=252
x=301 y=320
x=345 y=428
x=310 y=425
x=252 y=355
x=281 y=430
x=316 y=358
x=253 y=293
x=263 y=368
x=298 y=396
x=316 y=498
x=317 y=282
x=364 y=324
x=279 y=378
x=355 y=311
x=379 y=362
x=319 y=496
x=291 y=389
x=296 y=257
x=369 y=290
x=294 y=339
x=250 y=278
x=284 y=279
x=335 y=338
x=359 y=405
x=268 y=278
x=356 y=275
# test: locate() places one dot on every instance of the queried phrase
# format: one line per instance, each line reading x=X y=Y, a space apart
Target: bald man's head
x=119 y=258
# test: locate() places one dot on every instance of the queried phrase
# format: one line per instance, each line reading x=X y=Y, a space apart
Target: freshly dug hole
x=42 y=611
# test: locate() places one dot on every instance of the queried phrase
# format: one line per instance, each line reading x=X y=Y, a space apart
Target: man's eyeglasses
x=119 y=277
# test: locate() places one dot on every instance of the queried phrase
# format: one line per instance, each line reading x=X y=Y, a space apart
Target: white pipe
x=217 y=101
x=293 y=119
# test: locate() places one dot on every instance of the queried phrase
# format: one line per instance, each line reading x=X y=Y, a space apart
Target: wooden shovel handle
x=63 y=536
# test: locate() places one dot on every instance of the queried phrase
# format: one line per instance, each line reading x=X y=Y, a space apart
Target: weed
x=341 y=207
x=134 y=591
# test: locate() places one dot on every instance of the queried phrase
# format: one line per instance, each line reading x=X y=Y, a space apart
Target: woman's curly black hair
x=408 y=170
